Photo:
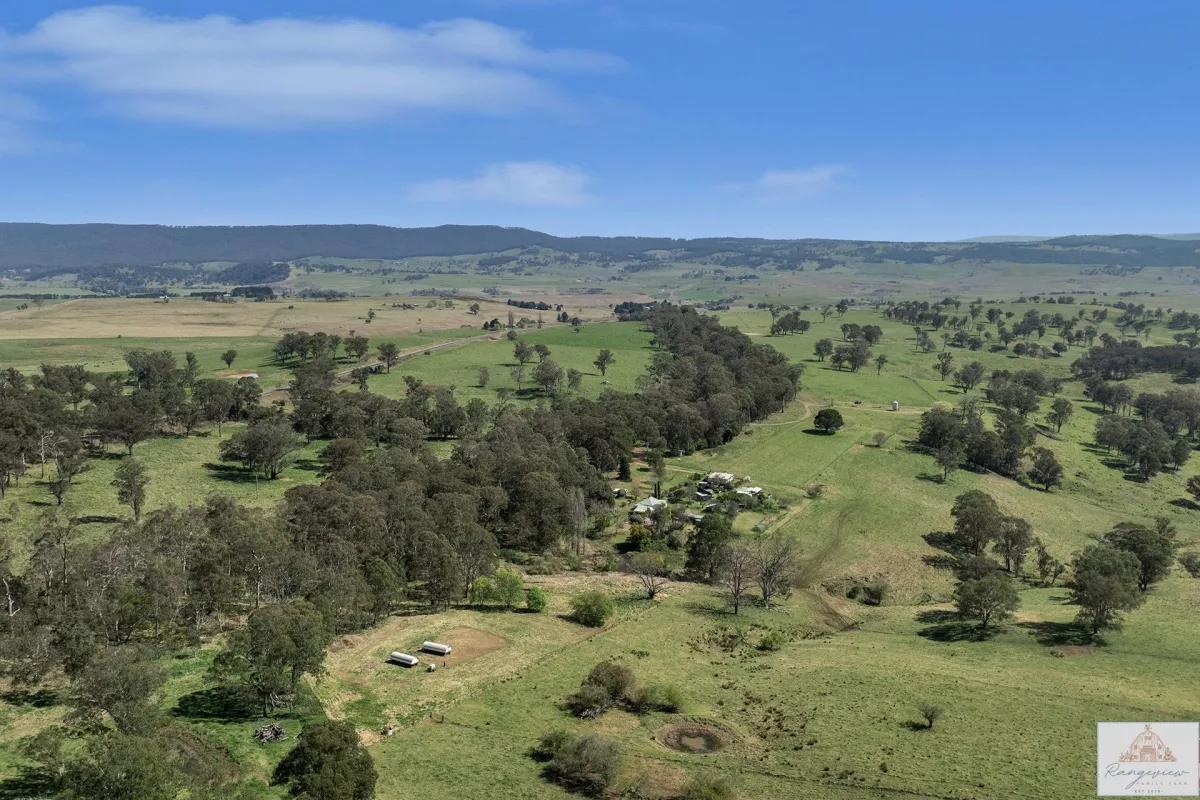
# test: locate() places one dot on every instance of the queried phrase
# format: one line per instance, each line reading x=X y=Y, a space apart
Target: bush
x=931 y=713
x=550 y=743
x=660 y=697
x=619 y=681
x=591 y=608
x=536 y=599
x=880 y=438
x=587 y=764
x=589 y=702
x=1191 y=562
x=815 y=491
x=874 y=592
x=707 y=787
x=772 y=641
x=483 y=591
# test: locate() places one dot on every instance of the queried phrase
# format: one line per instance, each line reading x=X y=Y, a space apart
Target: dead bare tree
x=737 y=574
x=651 y=571
x=774 y=559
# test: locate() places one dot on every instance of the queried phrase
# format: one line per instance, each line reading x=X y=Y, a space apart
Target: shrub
x=639 y=537
x=550 y=743
x=483 y=591
x=709 y=787
x=815 y=491
x=772 y=640
x=619 y=681
x=1191 y=562
x=931 y=713
x=880 y=438
x=874 y=592
x=660 y=697
x=509 y=587
x=536 y=599
x=587 y=764
x=591 y=608
x=589 y=702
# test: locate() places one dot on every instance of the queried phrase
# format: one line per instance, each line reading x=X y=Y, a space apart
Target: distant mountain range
x=33 y=250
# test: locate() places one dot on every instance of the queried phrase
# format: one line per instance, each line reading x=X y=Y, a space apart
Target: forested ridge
x=38 y=250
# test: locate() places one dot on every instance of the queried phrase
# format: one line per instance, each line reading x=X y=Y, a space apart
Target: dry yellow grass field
x=191 y=318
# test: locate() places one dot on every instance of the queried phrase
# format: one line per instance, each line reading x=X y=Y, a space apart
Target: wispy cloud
x=794 y=184
x=220 y=71
x=525 y=183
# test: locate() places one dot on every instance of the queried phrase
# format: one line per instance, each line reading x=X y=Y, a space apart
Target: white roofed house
x=645 y=508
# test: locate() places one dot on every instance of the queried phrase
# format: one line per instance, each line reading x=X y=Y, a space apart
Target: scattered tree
x=828 y=420
x=131 y=481
x=604 y=360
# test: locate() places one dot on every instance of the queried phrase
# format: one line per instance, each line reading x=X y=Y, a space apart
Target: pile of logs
x=269 y=733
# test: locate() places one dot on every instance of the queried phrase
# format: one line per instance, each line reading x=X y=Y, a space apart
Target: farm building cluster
x=716 y=491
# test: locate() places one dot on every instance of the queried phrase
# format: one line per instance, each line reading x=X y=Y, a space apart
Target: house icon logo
x=1147 y=746
x=1138 y=759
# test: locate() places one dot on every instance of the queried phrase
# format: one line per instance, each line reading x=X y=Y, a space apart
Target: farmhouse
x=750 y=491
x=646 y=507
x=721 y=479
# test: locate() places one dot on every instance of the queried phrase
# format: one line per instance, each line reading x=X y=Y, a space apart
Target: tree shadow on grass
x=223 y=703
x=1054 y=634
x=947 y=626
x=96 y=519
x=931 y=477
x=225 y=472
x=1183 y=502
x=30 y=782
x=41 y=698
x=308 y=465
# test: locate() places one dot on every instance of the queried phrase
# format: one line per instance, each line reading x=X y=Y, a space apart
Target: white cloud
x=221 y=71
x=792 y=184
x=525 y=183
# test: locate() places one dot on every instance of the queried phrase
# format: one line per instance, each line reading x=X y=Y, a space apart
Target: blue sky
x=850 y=119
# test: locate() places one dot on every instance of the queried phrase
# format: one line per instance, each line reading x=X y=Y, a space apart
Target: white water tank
x=895 y=405
x=436 y=647
x=405 y=659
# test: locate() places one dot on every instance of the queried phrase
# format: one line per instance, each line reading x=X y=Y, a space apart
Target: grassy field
x=833 y=714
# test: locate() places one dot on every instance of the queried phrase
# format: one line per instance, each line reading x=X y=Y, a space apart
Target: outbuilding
x=405 y=659
x=436 y=647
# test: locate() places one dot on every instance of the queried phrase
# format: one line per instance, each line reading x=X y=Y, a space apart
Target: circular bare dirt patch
x=694 y=737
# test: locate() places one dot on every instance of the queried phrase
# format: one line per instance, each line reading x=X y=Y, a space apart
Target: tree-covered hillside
x=37 y=250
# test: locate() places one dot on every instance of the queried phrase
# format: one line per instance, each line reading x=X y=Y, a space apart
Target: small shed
x=436 y=647
x=405 y=659
x=750 y=491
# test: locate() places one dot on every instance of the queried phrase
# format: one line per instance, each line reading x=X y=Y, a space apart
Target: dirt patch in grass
x=467 y=644
x=344 y=643
x=696 y=738
x=1073 y=651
